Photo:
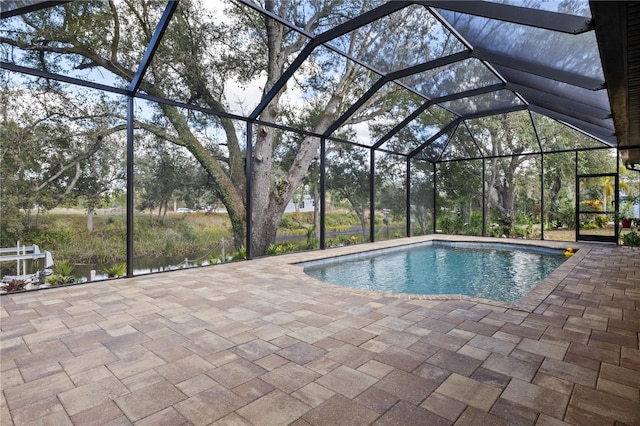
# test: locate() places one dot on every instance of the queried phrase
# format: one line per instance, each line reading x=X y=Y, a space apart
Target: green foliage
x=631 y=239
x=446 y=225
x=63 y=267
x=281 y=248
x=54 y=236
x=57 y=279
x=312 y=243
x=117 y=270
x=287 y=222
x=348 y=240
x=62 y=273
x=190 y=233
x=344 y=240
x=626 y=210
x=336 y=221
x=494 y=230
x=567 y=214
x=601 y=221
x=454 y=225
x=66 y=237
x=240 y=254
x=519 y=231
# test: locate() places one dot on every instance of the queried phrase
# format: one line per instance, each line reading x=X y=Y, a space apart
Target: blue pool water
x=492 y=271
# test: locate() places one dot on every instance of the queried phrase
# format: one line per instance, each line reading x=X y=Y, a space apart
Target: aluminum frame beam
x=145 y=62
x=551 y=101
x=361 y=20
x=402 y=124
x=426 y=66
x=282 y=81
x=62 y=78
x=130 y=158
x=355 y=106
x=253 y=5
x=446 y=145
x=600 y=133
x=455 y=123
x=321 y=39
x=539 y=70
x=554 y=21
x=30 y=8
x=426 y=105
x=429 y=141
x=496 y=111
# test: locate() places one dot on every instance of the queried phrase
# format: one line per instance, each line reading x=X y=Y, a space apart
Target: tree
x=390 y=187
x=194 y=64
x=49 y=138
x=504 y=138
x=164 y=174
x=347 y=178
x=459 y=195
x=422 y=197
x=101 y=174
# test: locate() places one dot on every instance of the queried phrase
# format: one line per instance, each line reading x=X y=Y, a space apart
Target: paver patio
x=259 y=342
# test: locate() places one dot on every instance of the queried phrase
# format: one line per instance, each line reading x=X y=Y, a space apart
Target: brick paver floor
x=260 y=343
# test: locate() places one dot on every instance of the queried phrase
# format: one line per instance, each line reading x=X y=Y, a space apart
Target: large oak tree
x=203 y=54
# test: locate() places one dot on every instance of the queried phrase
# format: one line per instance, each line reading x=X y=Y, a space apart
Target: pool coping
x=290 y=263
x=528 y=303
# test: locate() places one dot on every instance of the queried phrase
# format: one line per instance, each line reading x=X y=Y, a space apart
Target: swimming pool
x=502 y=272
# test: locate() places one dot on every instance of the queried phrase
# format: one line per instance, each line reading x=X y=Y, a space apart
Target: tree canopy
x=224 y=71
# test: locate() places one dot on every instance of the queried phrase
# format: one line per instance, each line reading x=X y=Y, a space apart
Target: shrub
x=553 y=224
x=240 y=254
x=62 y=273
x=281 y=248
x=63 y=267
x=601 y=221
x=567 y=214
x=348 y=240
x=57 y=279
x=190 y=234
x=117 y=270
x=287 y=222
x=494 y=230
x=446 y=225
x=14 y=285
x=631 y=239
x=312 y=243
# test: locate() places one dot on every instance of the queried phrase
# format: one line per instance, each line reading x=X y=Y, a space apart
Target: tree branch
x=83 y=156
x=116 y=32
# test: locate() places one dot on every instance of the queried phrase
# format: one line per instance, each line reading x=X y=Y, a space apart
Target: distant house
x=304 y=205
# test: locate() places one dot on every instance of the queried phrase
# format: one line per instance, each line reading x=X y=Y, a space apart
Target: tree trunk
x=90 y=212
x=164 y=214
x=507 y=195
x=421 y=218
x=316 y=212
x=363 y=224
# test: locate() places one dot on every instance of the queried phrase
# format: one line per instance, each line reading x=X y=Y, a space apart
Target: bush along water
x=62 y=273
x=117 y=270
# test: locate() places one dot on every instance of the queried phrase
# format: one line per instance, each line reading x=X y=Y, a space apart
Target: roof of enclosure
x=449 y=64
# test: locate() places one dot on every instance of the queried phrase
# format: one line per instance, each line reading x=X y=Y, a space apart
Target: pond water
x=141 y=266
